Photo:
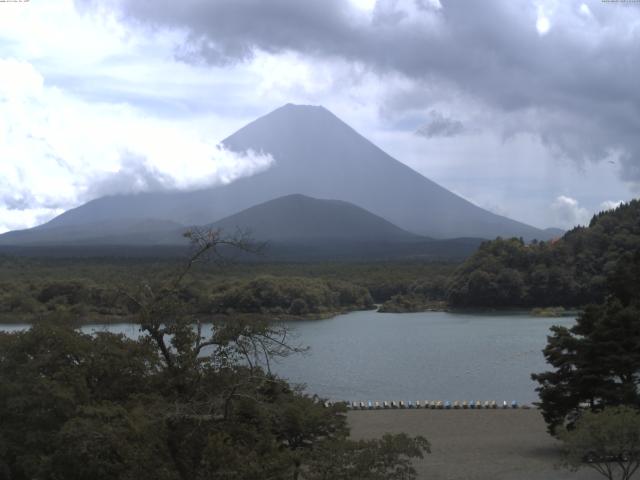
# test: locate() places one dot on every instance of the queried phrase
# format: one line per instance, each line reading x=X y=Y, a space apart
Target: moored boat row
x=433 y=404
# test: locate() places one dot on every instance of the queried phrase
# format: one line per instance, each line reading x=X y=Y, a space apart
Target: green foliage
x=597 y=361
x=107 y=441
x=410 y=303
x=182 y=402
x=90 y=290
x=550 y=312
x=572 y=271
x=75 y=406
x=388 y=458
x=422 y=294
x=48 y=375
x=291 y=295
x=607 y=441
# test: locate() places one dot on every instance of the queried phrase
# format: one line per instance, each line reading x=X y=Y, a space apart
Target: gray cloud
x=17 y=201
x=440 y=126
x=569 y=213
x=610 y=204
x=226 y=31
x=135 y=175
x=574 y=87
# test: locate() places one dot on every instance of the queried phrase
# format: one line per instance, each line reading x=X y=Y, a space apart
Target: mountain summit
x=317 y=155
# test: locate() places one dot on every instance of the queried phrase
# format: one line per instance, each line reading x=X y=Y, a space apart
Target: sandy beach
x=474 y=444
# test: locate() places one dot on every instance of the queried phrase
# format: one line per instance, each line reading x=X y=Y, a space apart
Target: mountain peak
x=299 y=107
x=292 y=113
x=291 y=132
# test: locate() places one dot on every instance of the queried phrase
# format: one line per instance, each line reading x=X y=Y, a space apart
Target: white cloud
x=610 y=205
x=543 y=25
x=568 y=212
x=366 y=5
x=585 y=10
x=18 y=80
x=59 y=151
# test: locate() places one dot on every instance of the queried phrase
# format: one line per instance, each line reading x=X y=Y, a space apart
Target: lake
x=413 y=356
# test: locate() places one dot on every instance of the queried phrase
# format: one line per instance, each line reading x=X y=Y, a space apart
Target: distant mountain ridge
x=294 y=227
x=317 y=155
x=300 y=218
x=116 y=232
x=293 y=218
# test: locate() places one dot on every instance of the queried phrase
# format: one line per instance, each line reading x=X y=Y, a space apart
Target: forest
x=92 y=290
x=572 y=271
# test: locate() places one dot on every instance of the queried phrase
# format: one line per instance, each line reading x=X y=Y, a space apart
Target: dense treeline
x=92 y=290
x=297 y=296
x=570 y=272
x=291 y=295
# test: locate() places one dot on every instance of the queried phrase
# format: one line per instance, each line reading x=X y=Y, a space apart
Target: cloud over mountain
x=59 y=151
x=319 y=156
x=93 y=89
x=538 y=68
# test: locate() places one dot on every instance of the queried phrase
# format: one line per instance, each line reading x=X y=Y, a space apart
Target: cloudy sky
x=530 y=109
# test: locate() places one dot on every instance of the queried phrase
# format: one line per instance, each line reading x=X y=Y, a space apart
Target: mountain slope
x=295 y=227
x=318 y=155
x=108 y=232
x=291 y=219
x=301 y=218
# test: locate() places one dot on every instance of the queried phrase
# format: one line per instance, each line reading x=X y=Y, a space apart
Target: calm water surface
x=418 y=356
x=413 y=356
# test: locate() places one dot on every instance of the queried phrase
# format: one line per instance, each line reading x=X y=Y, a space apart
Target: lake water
x=413 y=356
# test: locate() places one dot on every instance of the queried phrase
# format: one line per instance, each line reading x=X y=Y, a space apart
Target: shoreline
x=473 y=444
x=93 y=319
